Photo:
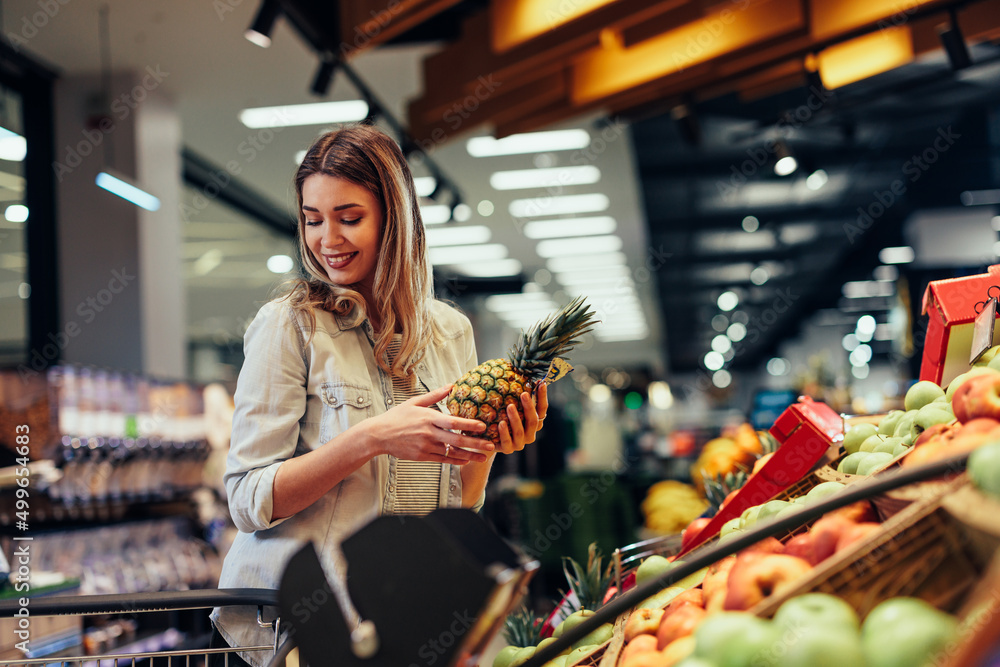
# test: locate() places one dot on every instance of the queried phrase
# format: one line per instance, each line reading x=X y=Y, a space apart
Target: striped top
x=418 y=483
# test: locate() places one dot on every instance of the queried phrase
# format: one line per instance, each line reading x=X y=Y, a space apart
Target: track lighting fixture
x=259 y=31
x=324 y=76
x=785 y=163
x=954 y=43
x=687 y=123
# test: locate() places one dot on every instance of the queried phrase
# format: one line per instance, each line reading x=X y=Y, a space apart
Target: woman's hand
x=514 y=437
x=416 y=430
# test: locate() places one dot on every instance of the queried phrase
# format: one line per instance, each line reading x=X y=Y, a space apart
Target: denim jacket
x=293 y=395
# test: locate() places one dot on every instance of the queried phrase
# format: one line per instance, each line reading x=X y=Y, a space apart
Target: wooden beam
x=368 y=23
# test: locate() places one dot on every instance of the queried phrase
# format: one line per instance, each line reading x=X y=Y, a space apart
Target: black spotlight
x=324 y=75
x=687 y=123
x=259 y=31
x=954 y=43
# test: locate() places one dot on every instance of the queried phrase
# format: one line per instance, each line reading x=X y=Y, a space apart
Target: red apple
x=715 y=583
x=680 y=623
x=855 y=533
x=858 y=512
x=692 y=530
x=642 y=622
x=826 y=533
x=977 y=397
x=802 y=547
x=692 y=596
x=757 y=576
x=639 y=644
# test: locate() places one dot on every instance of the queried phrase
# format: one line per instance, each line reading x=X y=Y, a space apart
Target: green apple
x=927 y=416
x=858 y=434
x=905 y=423
x=728 y=527
x=871 y=443
x=573 y=620
x=661 y=599
x=849 y=464
x=873 y=461
x=793 y=508
x=558 y=661
x=900 y=448
x=902 y=632
x=771 y=508
x=958 y=381
x=736 y=639
x=651 y=567
x=822 y=647
x=822 y=490
x=597 y=636
x=817 y=610
x=577 y=654
x=888 y=445
x=987 y=356
x=522 y=656
x=984 y=468
x=921 y=393
x=888 y=423
x=545 y=642
x=994 y=364
x=692 y=661
x=749 y=516
x=505 y=656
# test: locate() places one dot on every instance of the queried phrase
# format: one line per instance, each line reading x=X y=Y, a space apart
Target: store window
x=232 y=265
x=15 y=287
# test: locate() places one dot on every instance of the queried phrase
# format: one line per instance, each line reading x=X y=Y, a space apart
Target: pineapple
x=522 y=628
x=590 y=584
x=484 y=392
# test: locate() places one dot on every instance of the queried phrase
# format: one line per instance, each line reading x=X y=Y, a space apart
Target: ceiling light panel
x=568 y=227
x=582 y=245
x=737 y=241
x=555 y=177
x=559 y=205
x=446 y=236
x=529 y=142
x=489 y=269
x=462 y=254
x=435 y=214
x=586 y=262
x=316 y=113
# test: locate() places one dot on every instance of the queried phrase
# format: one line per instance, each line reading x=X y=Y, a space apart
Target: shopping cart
x=94 y=605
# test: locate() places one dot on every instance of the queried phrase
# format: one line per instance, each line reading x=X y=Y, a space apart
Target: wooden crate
x=978 y=520
x=918 y=552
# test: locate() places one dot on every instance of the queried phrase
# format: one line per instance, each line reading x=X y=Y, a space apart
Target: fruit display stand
x=976 y=516
x=918 y=552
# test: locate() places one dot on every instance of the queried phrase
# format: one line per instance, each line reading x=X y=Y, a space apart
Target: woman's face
x=343 y=224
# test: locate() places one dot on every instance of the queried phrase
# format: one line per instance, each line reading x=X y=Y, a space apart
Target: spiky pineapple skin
x=484 y=392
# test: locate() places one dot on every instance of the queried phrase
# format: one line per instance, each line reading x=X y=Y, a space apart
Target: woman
x=337 y=415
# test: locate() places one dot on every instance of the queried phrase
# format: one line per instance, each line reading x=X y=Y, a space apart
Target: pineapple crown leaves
x=522 y=628
x=720 y=486
x=590 y=584
x=551 y=337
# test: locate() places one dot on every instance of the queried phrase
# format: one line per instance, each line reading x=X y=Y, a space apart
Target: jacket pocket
x=344 y=405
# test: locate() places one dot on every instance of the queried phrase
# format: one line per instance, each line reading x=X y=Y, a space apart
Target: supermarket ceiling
x=705 y=90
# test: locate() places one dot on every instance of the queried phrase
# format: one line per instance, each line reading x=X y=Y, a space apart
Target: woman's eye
x=351 y=222
x=313 y=223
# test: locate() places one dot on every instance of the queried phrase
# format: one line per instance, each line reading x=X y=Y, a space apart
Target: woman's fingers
x=432 y=397
x=542 y=402
x=506 y=444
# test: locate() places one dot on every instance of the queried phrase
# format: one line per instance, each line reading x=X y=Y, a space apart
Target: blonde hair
x=403 y=281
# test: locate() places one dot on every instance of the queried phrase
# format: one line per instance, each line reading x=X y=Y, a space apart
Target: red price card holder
x=806 y=431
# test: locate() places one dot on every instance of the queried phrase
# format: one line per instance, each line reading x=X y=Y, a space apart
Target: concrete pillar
x=120 y=266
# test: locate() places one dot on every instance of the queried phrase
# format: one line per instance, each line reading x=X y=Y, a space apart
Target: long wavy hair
x=403 y=280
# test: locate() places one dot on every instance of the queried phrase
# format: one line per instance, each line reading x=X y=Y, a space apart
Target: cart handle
x=60 y=605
